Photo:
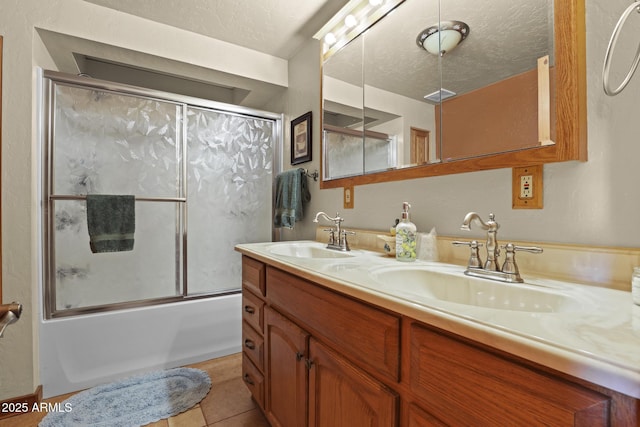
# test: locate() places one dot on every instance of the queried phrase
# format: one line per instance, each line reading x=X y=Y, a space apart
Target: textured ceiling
x=275 y=27
x=506 y=37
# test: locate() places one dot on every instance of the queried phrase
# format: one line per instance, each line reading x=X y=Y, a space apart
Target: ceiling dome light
x=376 y=2
x=443 y=38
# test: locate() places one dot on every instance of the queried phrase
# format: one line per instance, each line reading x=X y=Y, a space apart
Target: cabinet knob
x=249 y=309
x=299 y=356
x=309 y=363
x=249 y=344
x=248 y=379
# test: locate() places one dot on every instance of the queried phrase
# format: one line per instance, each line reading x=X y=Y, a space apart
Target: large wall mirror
x=386 y=116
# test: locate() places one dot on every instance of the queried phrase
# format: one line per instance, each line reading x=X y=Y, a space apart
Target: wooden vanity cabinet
x=331 y=360
x=253 y=304
x=310 y=384
x=314 y=349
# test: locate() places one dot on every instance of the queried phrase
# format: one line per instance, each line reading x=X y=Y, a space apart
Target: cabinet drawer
x=488 y=390
x=253 y=276
x=253 y=310
x=361 y=332
x=253 y=345
x=253 y=379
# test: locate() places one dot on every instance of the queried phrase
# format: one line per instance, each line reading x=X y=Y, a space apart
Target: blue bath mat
x=133 y=401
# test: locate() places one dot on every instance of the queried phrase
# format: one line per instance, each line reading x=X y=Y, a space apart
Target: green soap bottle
x=406 y=236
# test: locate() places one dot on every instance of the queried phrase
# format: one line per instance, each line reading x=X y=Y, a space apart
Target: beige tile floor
x=228 y=403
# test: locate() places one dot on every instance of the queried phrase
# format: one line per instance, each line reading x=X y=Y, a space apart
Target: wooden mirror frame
x=570 y=113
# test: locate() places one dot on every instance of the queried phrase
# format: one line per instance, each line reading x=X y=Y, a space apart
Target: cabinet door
x=341 y=395
x=286 y=399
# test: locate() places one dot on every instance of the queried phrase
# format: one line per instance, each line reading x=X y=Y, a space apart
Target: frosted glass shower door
x=112 y=143
x=202 y=176
x=229 y=191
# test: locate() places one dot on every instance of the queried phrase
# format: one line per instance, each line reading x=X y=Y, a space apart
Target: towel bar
x=313 y=175
x=139 y=199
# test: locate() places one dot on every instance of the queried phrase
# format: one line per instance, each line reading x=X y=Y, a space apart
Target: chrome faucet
x=9 y=313
x=491 y=226
x=337 y=236
x=509 y=271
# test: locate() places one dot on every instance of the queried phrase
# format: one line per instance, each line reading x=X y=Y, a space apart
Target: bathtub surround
x=201 y=173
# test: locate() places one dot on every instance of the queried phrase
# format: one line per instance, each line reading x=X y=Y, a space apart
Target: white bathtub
x=83 y=351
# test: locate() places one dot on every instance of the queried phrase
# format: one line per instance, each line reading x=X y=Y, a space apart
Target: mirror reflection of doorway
x=419 y=146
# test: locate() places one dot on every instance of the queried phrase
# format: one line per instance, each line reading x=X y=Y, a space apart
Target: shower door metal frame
x=50 y=79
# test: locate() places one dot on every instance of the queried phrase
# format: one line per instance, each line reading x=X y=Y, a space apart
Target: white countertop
x=597 y=338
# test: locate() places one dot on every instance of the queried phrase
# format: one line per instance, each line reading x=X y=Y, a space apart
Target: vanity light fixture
x=443 y=38
x=355 y=17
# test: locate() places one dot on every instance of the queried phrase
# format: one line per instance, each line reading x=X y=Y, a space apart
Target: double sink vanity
x=354 y=337
x=337 y=337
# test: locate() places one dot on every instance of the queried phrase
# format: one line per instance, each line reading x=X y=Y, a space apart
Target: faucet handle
x=474 y=256
x=532 y=249
x=344 y=244
x=510 y=265
x=332 y=235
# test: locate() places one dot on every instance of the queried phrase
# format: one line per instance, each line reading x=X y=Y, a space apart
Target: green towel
x=292 y=194
x=111 y=220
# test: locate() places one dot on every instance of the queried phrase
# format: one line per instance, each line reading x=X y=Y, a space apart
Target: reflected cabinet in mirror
x=498 y=86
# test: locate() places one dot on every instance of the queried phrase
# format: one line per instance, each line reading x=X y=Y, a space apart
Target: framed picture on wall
x=301 y=139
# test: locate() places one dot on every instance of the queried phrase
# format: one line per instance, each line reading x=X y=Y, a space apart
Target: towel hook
x=611 y=47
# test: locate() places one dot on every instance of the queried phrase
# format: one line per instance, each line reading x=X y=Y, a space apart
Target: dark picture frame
x=301 y=139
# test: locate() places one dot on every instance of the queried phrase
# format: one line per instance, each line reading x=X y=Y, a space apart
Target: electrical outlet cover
x=527 y=188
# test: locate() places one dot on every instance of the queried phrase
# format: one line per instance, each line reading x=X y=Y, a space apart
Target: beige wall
x=589 y=203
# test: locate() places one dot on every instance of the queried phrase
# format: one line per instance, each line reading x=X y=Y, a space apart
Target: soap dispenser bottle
x=406 y=236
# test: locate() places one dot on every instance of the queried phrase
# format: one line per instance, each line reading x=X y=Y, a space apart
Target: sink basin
x=416 y=283
x=306 y=250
